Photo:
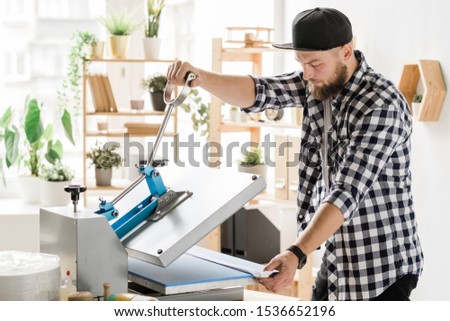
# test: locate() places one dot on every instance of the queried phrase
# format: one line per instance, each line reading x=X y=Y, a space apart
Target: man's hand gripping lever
x=161 y=200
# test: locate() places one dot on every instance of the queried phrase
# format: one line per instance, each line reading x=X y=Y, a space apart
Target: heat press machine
x=148 y=235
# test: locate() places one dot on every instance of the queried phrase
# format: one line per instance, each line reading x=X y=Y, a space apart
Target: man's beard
x=332 y=89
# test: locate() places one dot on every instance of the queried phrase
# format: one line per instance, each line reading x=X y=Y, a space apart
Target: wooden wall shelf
x=430 y=74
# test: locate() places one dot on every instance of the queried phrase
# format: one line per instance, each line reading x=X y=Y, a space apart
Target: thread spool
x=80 y=296
x=130 y=297
x=106 y=287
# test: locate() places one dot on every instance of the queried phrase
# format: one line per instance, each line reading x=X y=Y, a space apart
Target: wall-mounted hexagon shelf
x=430 y=74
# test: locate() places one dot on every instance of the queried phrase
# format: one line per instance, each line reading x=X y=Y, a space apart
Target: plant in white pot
x=27 y=142
x=120 y=25
x=151 y=42
x=103 y=157
x=253 y=162
x=416 y=103
x=234 y=113
x=155 y=85
x=54 y=177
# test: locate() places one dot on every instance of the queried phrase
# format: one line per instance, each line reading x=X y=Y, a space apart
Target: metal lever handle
x=170 y=104
x=177 y=101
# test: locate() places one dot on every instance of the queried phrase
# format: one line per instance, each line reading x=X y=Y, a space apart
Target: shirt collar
x=355 y=79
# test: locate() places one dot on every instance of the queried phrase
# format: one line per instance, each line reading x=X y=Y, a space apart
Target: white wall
x=391 y=34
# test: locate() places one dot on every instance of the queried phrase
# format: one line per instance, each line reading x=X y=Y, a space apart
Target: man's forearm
x=232 y=89
x=325 y=223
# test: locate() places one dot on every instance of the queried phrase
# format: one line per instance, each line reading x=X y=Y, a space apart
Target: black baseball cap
x=319 y=29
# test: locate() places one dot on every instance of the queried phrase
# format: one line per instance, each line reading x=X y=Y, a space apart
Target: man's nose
x=307 y=72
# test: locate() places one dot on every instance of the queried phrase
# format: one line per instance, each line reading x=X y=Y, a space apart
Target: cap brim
x=288 y=46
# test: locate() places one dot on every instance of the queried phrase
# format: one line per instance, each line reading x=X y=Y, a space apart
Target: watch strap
x=299 y=254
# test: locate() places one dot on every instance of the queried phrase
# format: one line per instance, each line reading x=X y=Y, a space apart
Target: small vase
x=152 y=47
x=103 y=176
x=243 y=117
x=118 y=46
x=136 y=104
x=97 y=50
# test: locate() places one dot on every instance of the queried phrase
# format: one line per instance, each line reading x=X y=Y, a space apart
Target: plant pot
x=103 y=176
x=260 y=170
x=102 y=126
x=97 y=50
x=29 y=189
x=53 y=194
x=118 y=46
x=234 y=115
x=157 y=100
x=415 y=109
x=152 y=48
x=136 y=104
x=243 y=117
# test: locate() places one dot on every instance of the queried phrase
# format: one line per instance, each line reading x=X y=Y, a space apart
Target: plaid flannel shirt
x=369 y=174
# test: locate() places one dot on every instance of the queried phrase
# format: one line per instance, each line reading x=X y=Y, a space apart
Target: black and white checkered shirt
x=369 y=174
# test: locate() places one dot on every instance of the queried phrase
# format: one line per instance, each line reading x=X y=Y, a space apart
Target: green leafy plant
x=417 y=98
x=57 y=172
x=9 y=136
x=27 y=141
x=199 y=112
x=252 y=157
x=155 y=83
x=69 y=96
x=103 y=155
x=154 y=9
x=120 y=23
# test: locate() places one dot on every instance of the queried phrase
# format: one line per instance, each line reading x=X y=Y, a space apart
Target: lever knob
x=75 y=191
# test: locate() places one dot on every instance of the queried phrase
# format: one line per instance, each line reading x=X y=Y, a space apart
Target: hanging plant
x=199 y=111
x=69 y=96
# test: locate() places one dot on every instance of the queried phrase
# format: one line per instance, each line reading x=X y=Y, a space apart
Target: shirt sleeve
x=374 y=139
x=287 y=90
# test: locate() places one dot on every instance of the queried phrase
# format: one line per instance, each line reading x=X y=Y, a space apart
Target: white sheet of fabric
x=26 y=276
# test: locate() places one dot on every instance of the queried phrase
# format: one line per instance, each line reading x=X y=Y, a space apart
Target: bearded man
x=354 y=193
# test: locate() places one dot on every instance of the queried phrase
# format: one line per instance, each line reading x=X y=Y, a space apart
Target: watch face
x=274 y=114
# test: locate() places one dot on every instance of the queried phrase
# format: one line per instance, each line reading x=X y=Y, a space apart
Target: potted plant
x=253 y=162
x=27 y=142
x=152 y=43
x=415 y=106
x=155 y=85
x=234 y=113
x=54 y=177
x=199 y=112
x=120 y=25
x=104 y=158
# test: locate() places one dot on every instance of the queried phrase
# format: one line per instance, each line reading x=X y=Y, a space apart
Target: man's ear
x=347 y=51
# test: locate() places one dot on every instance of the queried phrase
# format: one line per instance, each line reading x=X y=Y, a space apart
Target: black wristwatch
x=299 y=254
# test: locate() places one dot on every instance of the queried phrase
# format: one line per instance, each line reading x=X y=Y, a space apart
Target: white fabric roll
x=28 y=276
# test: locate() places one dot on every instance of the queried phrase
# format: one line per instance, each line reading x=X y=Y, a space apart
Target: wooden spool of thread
x=106 y=287
x=80 y=296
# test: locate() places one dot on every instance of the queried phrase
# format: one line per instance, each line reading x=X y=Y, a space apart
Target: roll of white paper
x=28 y=276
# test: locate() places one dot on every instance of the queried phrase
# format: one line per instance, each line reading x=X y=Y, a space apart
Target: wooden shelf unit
x=127 y=113
x=430 y=74
x=219 y=125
